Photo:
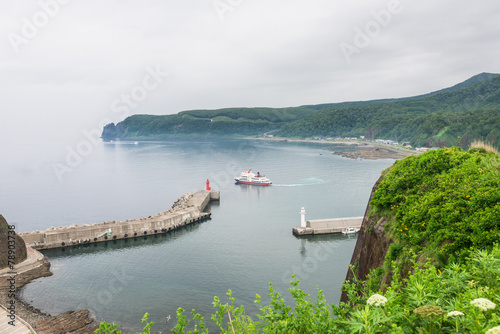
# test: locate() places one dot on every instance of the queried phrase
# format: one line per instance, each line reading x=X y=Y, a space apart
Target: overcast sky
x=67 y=66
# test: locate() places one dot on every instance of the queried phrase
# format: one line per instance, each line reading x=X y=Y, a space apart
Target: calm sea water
x=247 y=244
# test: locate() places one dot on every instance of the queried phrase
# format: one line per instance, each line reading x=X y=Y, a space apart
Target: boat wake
x=312 y=181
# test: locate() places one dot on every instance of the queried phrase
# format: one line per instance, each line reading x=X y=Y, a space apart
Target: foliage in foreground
x=462 y=298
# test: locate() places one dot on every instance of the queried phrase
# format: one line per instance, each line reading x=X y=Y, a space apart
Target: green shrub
x=444 y=203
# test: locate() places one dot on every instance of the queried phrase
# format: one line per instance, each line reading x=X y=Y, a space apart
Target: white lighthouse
x=302 y=217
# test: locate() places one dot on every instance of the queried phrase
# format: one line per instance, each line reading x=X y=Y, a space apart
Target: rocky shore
x=371 y=152
x=361 y=149
x=73 y=322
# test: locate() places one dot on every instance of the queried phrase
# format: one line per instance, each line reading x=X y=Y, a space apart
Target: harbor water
x=247 y=243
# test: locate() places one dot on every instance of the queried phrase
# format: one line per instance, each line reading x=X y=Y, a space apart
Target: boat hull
x=253 y=183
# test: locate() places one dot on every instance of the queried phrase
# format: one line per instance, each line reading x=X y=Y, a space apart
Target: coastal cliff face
x=110 y=132
x=17 y=242
x=371 y=247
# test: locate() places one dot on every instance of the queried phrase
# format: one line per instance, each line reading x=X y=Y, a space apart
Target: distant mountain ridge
x=451 y=116
x=469 y=82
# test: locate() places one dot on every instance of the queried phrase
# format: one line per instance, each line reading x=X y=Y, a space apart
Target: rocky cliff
x=371 y=247
x=8 y=237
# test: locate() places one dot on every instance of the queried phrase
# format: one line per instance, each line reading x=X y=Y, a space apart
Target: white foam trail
x=119 y=143
x=307 y=182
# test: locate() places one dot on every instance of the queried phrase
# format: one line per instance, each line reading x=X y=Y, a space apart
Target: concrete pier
x=327 y=226
x=186 y=210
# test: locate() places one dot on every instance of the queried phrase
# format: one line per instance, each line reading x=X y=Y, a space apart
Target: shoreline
x=376 y=151
x=37 y=266
x=368 y=148
x=365 y=149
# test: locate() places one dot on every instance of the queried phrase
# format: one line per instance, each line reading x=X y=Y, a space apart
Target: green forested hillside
x=221 y=122
x=452 y=116
x=441 y=119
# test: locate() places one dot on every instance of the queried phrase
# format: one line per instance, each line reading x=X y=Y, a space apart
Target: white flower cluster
x=494 y=330
x=483 y=303
x=454 y=314
x=376 y=300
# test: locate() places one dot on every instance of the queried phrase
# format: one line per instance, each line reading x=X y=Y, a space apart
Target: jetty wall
x=328 y=226
x=186 y=210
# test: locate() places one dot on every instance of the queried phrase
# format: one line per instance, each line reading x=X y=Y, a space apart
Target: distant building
x=386 y=141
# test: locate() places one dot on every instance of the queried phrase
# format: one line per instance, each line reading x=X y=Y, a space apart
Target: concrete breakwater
x=186 y=210
x=327 y=226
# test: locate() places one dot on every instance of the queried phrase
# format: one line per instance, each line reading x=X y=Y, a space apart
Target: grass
x=480 y=144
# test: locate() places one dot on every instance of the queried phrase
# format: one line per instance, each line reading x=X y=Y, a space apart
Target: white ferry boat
x=252 y=178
